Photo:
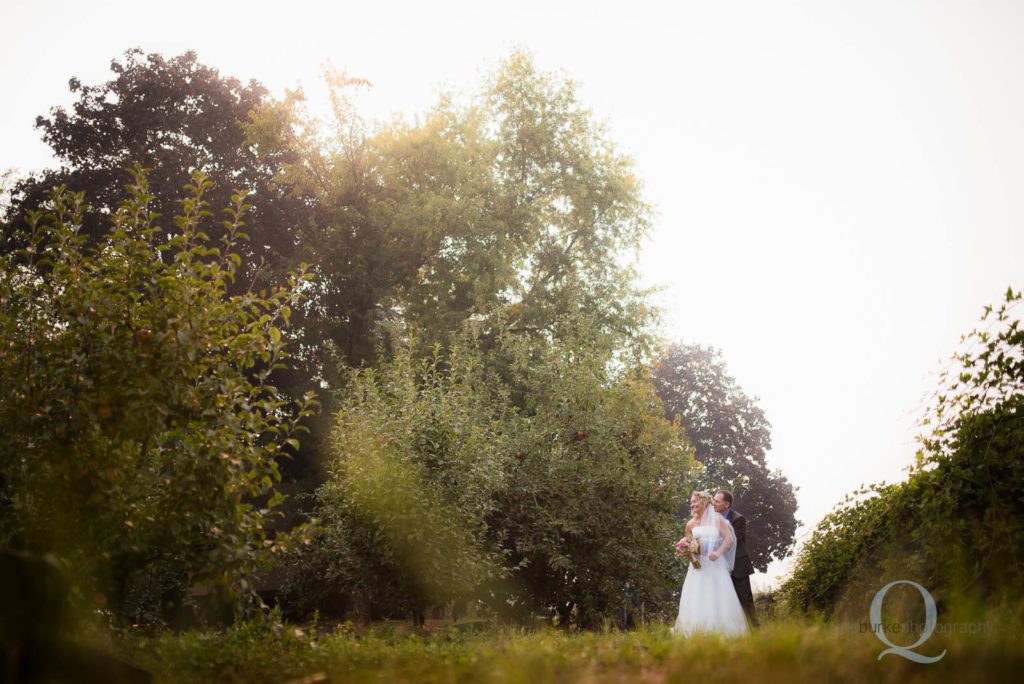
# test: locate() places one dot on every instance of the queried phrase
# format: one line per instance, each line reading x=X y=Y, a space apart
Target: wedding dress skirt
x=708 y=602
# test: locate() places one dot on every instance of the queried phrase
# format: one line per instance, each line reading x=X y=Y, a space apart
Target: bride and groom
x=716 y=595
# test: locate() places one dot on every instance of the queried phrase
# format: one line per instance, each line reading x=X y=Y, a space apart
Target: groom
x=743 y=568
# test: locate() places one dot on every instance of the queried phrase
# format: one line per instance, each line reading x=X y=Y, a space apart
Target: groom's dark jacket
x=742 y=567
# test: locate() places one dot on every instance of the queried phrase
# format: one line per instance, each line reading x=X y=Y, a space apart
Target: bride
x=708 y=601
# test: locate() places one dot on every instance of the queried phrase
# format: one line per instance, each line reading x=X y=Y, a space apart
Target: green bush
x=415 y=460
x=550 y=485
x=957 y=524
x=590 y=506
x=140 y=424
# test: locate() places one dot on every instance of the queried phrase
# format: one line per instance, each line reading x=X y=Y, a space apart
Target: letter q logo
x=930 y=618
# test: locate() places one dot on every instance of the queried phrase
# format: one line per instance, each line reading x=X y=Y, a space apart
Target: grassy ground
x=779 y=652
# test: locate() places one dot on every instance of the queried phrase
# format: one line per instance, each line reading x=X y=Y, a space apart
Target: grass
x=778 y=652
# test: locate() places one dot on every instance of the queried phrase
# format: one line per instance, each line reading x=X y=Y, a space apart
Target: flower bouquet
x=689 y=549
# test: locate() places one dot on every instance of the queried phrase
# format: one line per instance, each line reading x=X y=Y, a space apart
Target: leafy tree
x=516 y=198
x=141 y=431
x=598 y=476
x=173 y=116
x=361 y=254
x=730 y=436
x=514 y=202
x=444 y=489
x=511 y=212
x=417 y=458
x=576 y=207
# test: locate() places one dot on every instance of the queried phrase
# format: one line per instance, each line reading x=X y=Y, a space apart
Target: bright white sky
x=838 y=183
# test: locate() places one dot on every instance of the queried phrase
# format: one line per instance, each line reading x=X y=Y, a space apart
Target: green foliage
x=259 y=649
x=513 y=202
x=957 y=524
x=598 y=475
x=550 y=485
x=417 y=458
x=141 y=432
x=174 y=115
x=730 y=437
x=842 y=542
x=170 y=115
x=987 y=378
x=509 y=211
x=576 y=203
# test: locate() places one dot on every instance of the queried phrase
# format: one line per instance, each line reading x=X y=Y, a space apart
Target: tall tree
x=511 y=201
x=173 y=116
x=730 y=436
x=576 y=204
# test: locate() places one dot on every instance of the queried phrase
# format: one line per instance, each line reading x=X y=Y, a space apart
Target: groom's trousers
x=746 y=596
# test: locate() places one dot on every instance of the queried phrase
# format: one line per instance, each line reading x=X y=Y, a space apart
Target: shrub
x=550 y=485
x=140 y=424
x=955 y=525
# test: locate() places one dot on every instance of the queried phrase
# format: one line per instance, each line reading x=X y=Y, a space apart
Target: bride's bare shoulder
x=690 y=524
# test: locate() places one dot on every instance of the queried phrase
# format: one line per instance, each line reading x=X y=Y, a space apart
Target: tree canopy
x=173 y=117
x=514 y=201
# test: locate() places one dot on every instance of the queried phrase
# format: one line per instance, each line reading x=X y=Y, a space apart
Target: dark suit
x=742 y=569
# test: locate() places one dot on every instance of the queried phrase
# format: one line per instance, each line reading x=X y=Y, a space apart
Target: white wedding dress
x=708 y=602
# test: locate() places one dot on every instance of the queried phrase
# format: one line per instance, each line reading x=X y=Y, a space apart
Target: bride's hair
x=702 y=496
